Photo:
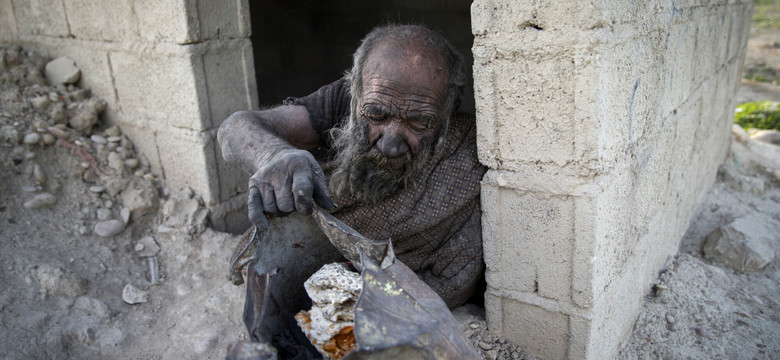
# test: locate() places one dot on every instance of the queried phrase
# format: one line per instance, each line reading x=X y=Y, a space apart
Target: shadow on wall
x=302 y=45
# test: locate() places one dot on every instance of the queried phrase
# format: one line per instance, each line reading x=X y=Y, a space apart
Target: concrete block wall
x=603 y=123
x=170 y=71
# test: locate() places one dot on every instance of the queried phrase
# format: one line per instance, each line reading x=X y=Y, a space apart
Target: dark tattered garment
x=434 y=223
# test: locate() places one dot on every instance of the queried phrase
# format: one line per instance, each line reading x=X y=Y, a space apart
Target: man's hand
x=287 y=183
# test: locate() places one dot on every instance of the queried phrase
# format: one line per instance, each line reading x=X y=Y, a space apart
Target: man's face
x=404 y=92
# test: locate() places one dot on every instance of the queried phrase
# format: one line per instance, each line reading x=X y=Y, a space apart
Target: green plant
x=759 y=115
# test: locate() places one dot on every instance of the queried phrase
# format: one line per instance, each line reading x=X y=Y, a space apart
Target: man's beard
x=363 y=171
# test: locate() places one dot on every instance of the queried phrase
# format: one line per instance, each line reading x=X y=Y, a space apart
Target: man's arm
x=272 y=145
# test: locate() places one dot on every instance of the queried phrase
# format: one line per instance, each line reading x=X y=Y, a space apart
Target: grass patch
x=766 y=14
x=759 y=115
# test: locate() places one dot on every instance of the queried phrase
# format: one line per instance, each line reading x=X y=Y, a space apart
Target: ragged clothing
x=434 y=223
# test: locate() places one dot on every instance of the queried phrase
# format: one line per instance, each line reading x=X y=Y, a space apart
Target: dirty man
x=394 y=156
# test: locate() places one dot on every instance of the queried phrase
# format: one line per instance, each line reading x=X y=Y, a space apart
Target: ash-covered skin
x=395 y=122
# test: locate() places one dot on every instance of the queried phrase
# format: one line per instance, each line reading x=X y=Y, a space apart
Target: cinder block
x=230 y=81
x=7 y=22
x=223 y=19
x=187 y=159
x=159 y=87
x=511 y=16
x=708 y=33
x=41 y=17
x=535 y=236
x=101 y=20
x=167 y=21
x=678 y=74
x=537 y=107
x=540 y=332
x=144 y=138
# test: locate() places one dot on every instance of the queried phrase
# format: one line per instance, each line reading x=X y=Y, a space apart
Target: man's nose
x=392 y=144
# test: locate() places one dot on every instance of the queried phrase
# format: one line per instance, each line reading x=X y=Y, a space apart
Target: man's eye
x=418 y=127
x=375 y=117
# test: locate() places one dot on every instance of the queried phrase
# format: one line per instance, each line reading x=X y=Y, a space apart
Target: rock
x=40 y=102
x=104 y=214
x=62 y=134
x=739 y=133
x=744 y=245
x=141 y=198
x=114 y=139
x=184 y=211
x=32 y=138
x=97 y=189
x=93 y=307
x=84 y=120
x=116 y=185
x=55 y=281
x=57 y=113
x=125 y=215
x=10 y=134
x=131 y=163
x=97 y=139
x=109 y=228
x=48 y=139
x=146 y=247
x=767 y=136
x=133 y=295
x=62 y=70
x=89 y=176
x=113 y=131
x=41 y=200
x=39 y=175
x=115 y=162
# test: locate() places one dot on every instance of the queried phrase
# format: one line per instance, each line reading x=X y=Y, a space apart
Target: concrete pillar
x=603 y=123
x=170 y=71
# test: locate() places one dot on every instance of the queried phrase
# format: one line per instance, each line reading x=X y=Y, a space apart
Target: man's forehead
x=410 y=62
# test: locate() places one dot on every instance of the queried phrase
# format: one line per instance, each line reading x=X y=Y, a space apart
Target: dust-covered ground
x=100 y=259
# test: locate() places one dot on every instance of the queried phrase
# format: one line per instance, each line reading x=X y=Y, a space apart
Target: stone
x=55 y=281
x=57 y=114
x=97 y=189
x=40 y=201
x=40 y=102
x=116 y=185
x=39 y=175
x=140 y=198
x=131 y=163
x=104 y=214
x=125 y=215
x=62 y=70
x=113 y=131
x=744 y=245
x=109 y=228
x=767 y=136
x=133 y=295
x=83 y=121
x=146 y=247
x=114 y=139
x=10 y=134
x=48 y=139
x=32 y=138
x=115 y=162
x=60 y=133
x=739 y=133
x=97 y=139
x=89 y=176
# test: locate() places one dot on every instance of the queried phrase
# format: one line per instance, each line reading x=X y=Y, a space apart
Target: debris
x=109 y=228
x=133 y=295
x=32 y=138
x=744 y=245
x=62 y=70
x=146 y=247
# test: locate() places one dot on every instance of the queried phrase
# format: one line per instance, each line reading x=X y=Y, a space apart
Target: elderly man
x=387 y=143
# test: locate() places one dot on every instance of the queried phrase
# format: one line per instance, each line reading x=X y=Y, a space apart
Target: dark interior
x=302 y=45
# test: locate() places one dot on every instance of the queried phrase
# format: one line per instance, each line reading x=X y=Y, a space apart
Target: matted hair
x=404 y=33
